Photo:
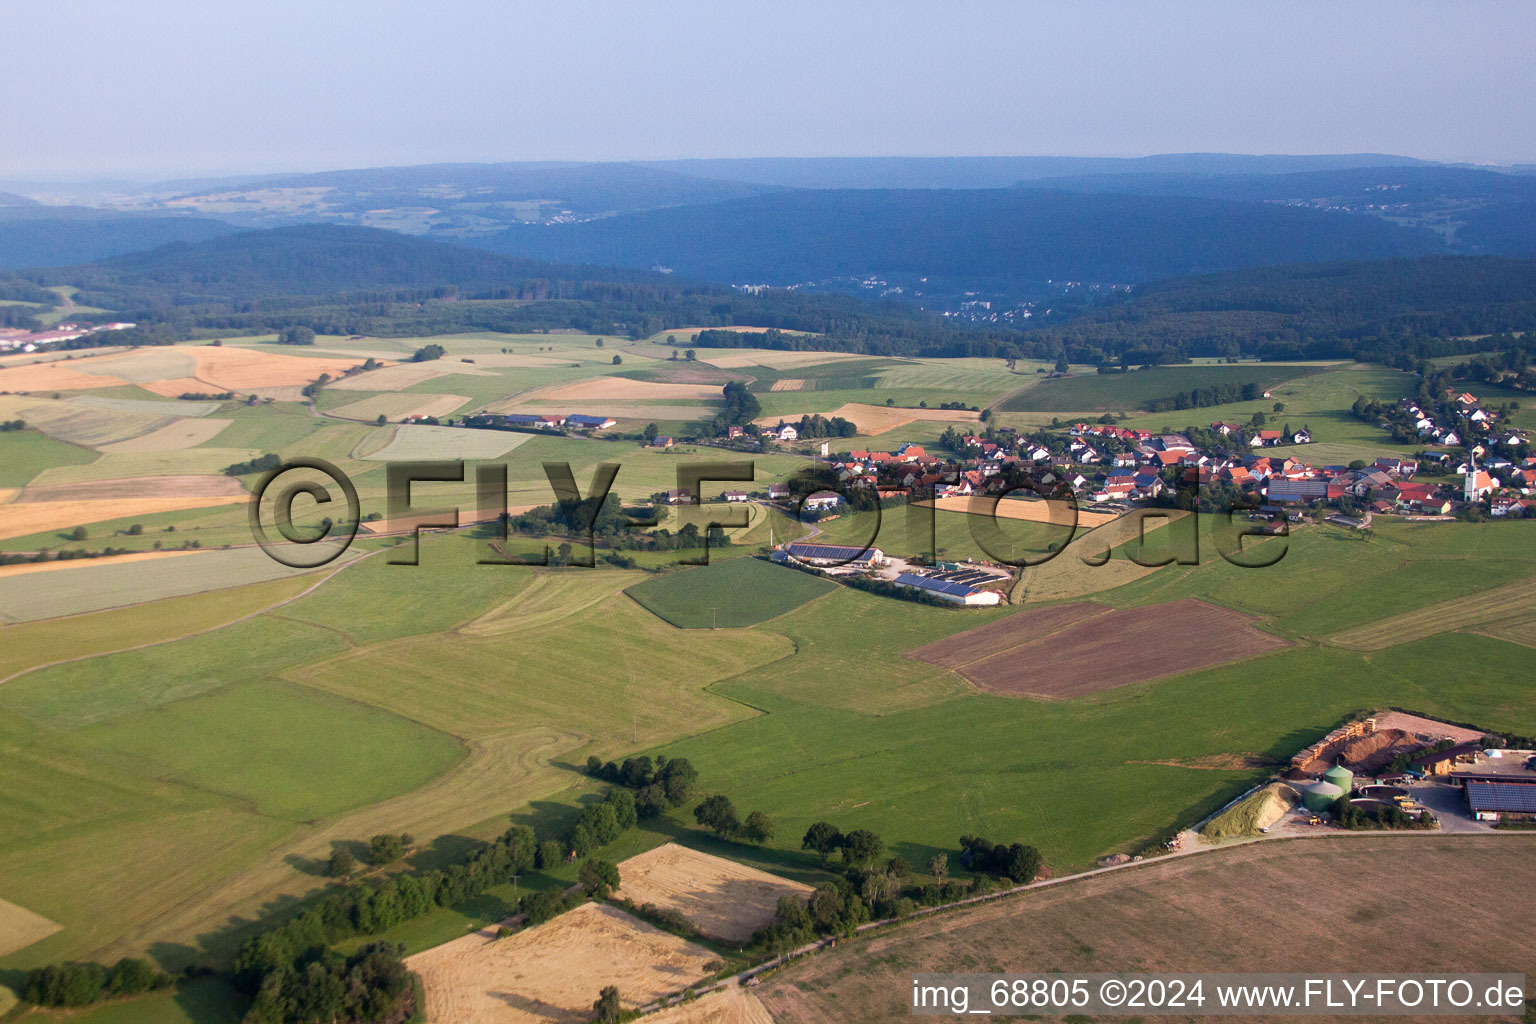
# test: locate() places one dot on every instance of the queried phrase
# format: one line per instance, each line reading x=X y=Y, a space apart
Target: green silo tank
x=1319 y=796
x=1341 y=777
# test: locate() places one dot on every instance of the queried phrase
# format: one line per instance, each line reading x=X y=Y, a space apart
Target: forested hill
x=314 y=261
x=982 y=235
x=34 y=235
x=1476 y=210
x=1325 y=310
x=368 y=281
x=350 y=280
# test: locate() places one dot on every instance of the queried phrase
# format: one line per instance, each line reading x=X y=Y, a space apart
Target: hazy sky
x=152 y=87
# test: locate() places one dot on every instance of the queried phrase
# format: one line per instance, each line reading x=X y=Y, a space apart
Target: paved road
x=1448 y=804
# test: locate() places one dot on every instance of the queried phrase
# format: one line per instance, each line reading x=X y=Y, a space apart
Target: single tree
x=822 y=839
x=617 y=360
x=385 y=848
x=861 y=846
x=718 y=814
x=598 y=878
x=757 y=828
x=341 y=864
x=607 y=1008
x=938 y=867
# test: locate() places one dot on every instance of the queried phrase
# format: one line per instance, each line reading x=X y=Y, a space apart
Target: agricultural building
x=949 y=590
x=1440 y=762
x=831 y=554
x=1502 y=801
x=590 y=422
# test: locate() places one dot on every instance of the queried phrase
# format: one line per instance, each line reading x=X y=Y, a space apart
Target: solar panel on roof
x=1518 y=798
x=826 y=551
x=936 y=586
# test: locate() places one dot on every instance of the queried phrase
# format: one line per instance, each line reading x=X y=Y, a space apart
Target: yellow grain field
x=721 y=898
x=555 y=971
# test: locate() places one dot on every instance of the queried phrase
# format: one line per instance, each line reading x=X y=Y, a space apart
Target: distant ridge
x=998 y=171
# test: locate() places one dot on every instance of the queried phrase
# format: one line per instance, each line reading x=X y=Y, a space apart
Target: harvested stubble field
x=414 y=441
x=20 y=927
x=1101 y=652
x=117 y=465
x=641 y=411
x=227 y=368
x=188 y=432
x=729 y=1005
x=20 y=518
x=788 y=384
x=171 y=371
x=877 y=419
x=1512 y=603
x=78 y=423
x=721 y=898
x=397 y=407
x=52 y=377
x=1305 y=904
x=404 y=375
x=93 y=584
x=178 y=486
x=623 y=389
x=1058 y=513
x=773 y=359
x=54 y=565
x=555 y=971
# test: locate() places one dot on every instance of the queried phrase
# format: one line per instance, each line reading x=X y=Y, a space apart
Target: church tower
x=1469 y=490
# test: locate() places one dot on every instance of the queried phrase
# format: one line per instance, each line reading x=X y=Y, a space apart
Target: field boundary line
x=324 y=576
x=1487 y=608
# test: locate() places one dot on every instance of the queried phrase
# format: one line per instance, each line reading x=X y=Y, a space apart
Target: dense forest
x=1377 y=311
x=1013 y=236
x=344 y=280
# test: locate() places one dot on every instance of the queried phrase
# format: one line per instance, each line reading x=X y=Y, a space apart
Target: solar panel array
x=937 y=586
x=1514 y=797
x=828 y=552
x=962 y=576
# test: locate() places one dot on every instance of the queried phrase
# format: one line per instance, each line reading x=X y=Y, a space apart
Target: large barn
x=831 y=554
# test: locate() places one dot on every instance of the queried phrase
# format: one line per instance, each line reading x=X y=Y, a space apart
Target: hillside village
x=1484 y=471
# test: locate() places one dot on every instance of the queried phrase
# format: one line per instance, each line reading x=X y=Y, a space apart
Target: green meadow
x=165 y=800
x=739 y=592
x=1129 y=391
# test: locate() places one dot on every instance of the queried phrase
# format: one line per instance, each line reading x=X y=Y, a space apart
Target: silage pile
x=1248 y=817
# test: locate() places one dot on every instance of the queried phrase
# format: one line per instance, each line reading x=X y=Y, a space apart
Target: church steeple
x=1469 y=490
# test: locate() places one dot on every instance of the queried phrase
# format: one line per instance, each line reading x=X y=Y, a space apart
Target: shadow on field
x=14 y=979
